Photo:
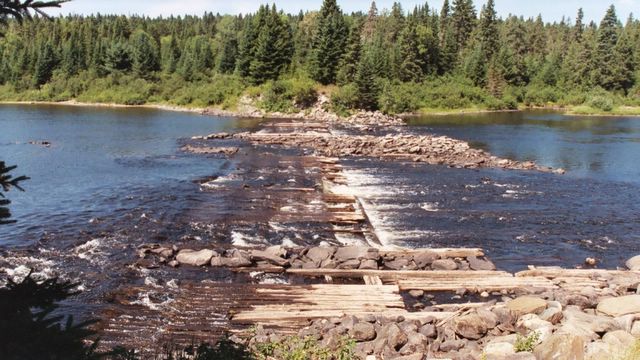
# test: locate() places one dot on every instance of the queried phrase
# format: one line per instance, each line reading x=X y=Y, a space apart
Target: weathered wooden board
x=497 y=283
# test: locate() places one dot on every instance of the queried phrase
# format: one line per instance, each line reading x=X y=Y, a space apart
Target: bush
x=601 y=102
x=397 y=98
x=304 y=93
x=345 y=98
x=452 y=93
x=276 y=97
x=541 y=96
x=296 y=348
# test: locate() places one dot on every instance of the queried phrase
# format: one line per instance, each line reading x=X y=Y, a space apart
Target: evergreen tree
x=45 y=65
x=73 y=58
x=170 y=54
x=489 y=36
x=578 y=28
x=328 y=43
x=273 y=49
x=144 y=54
x=349 y=63
x=366 y=84
x=463 y=21
x=445 y=15
x=412 y=64
x=624 y=68
x=605 y=72
x=118 y=57
x=369 y=28
x=475 y=66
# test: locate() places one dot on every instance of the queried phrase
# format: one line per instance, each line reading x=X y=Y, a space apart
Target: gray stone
x=368 y=265
x=499 y=350
x=552 y=315
x=195 y=258
x=490 y=319
x=452 y=345
x=635 y=329
x=397 y=264
x=356 y=252
x=416 y=356
x=470 y=326
x=277 y=251
x=424 y=259
x=480 y=264
x=417 y=343
x=363 y=331
x=595 y=323
x=428 y=330
x=233 y=262
x=599 y=350
x=396 y=338
x=620 y=306
x=444 y=264
x=634 y=263
x=318 y=254
x=526 y=305
x=258 y=255
x=416 y=293
x=350 y=264
x=561 y=347
x=619 y=339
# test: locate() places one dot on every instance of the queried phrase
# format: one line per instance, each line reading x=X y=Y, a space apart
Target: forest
x=395 y=60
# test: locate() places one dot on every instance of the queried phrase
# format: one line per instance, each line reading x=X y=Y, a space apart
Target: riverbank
x=246 y=108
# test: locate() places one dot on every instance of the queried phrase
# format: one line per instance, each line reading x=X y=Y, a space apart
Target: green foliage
x=527 y=344
x=144 y=53
x=328 y=43
x=398 y=98
x=601 y=102
x=288 y=95
x=541 y=96
x=345 y=98
x=296 y=348
x=31 y=331
x=7 y=182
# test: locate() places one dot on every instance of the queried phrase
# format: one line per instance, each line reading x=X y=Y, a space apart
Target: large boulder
x=270 y=257
x=356 y=253
x=634 y=263
x=480 y=264
x=363 y=331
x=620 y=306
x=195 y=258
x=318 y=254
x=425 y=258
x=499 y=350
x=526 y=305
x=396 y=338
x=561 y=347
x=470 y=326
x=444 y=264
x=619 y=339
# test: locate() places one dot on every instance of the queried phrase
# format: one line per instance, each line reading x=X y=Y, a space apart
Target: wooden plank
x=443 y=252
x=477 y=285
x=577 y=273
x=455 y=275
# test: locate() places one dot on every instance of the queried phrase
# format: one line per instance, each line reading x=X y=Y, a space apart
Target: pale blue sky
x=551 y=10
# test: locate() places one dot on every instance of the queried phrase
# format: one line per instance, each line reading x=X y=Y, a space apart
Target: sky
x=551 y=10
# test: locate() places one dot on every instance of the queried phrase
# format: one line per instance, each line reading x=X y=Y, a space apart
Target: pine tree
x=73 y=59
x=604 y=73
x=349 y=63
x=45 y=65
x=118 y=57
x=578 y=28
x=445 y=15
x=369 y=28
x=366 y=83
x=489 y=36
x=273 y=49
x=328 y=43
x=463 y=21
x=170 y=54
x=412 y=63
x=475 y=66
x=144 y=54
x=624 y=68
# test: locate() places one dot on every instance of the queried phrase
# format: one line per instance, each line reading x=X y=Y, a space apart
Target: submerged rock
x=195 y=258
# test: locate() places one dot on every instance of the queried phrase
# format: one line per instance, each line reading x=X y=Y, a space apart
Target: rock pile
x=208 y=150
x=345 y=258
x=526 y=328
x=437 y=150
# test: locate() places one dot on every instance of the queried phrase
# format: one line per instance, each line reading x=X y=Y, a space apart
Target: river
x=115 y=178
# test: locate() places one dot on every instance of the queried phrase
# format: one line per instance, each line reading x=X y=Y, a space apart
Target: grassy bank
x=292 y=94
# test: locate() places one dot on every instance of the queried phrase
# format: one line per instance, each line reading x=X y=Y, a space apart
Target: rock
x=277 y=251
x=363 y=331
x=634 y=263
x=619 y=339
x=368 y=265
x=174 y=263
x=258 y=255
x=480 y=264
x=635 y=329
x=233 y=262
x=350 y=264
x=526 y=305
x=620 y=306
x=506 y=319
x=598 y=350
x=499 y=350
x=428 y=330
x=318 y=254
x=595 y=323
x=452 y=345
x=397 y=264
x=444 y=264
x=490 y=319
x=424 y=259
x=162 y=251
x=416 y=293
x=552 y=315
x=417 y=343
x=396 y=338
x=356 y=252
x=195 y=258
x=416 y=356
x=561 y=347
x=470 y=326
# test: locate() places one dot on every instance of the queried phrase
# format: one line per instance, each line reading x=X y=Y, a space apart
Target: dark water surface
x=102 y=163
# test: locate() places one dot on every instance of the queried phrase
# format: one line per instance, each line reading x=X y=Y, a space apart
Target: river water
x=115 y=178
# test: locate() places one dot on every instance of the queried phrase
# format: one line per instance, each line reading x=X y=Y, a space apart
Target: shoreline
x=257 y=113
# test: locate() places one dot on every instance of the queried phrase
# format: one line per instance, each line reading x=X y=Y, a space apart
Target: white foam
x=430 y=207
x=286 y=242
x=90 y=251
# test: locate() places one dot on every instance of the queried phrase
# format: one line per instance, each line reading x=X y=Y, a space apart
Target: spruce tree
x=328 y=43
x=463 y=21
x=273 y=49
x=412 y=63
x=604 y=73
x=349 y=63
x=45 y=65
x=170 y=54
x=118 y=57
x=144 y=54
x=369 y=28
x=489 y=36
x=578 y=28
x=624 y=68
x=366 y=84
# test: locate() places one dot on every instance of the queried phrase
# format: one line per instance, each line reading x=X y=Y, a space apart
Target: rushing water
x=115 y=178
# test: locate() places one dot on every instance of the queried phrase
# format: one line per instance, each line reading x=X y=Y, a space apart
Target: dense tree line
x=366 y=52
